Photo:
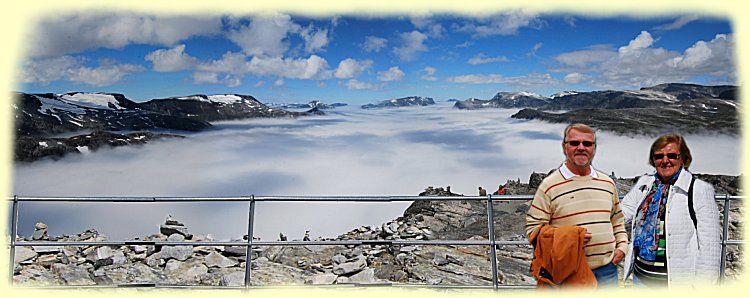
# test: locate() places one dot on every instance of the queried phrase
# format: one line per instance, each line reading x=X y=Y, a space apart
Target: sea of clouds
x=348 y=152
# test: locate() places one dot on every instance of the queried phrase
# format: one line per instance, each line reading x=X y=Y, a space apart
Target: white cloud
x=536 y=48
x=206 y=78
x=174 y=59
x=503 y=24
x=315 y=39
x=259 y=84
x=412 y=43
x=69 y=68
x=532 y=80
x=429 y=25
x=103 y=75
x=358 y=85
x=278 y=83
x=228 y=80
x=265 y=35
x=584 y=58
x=48 y=69
x=677 y=24
x=428 y=73
x=374 y=44
x=392 y=74
x=79 y=32
x=483 y=59
x=575 y=78
x=465 y=44
x=642 y=41
x=230 y=62
x=313 y=68
x=640 y=64
x=237 y=66
x=349 y=68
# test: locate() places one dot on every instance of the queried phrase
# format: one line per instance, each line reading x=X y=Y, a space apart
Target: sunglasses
x=576 y=143
x=658 y=156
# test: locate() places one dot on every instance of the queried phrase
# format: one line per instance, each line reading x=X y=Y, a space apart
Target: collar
x=683 y=181
x=567 y=174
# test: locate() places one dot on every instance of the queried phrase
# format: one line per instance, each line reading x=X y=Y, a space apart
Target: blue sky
x=279 y=57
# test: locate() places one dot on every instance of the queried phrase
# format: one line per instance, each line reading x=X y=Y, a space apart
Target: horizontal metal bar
x=134 y=199
x=266 y=287
x=363 y=198
x=718 y=197
x=269 y=243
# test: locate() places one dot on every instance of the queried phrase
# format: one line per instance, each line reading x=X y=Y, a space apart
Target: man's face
x=576 y=151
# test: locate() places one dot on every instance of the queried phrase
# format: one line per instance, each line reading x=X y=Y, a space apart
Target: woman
x=667 y=247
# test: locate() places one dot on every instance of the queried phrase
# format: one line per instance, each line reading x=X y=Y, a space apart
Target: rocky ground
x=197 y=264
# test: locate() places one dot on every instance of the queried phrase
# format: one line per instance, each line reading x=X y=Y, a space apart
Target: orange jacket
x=559 y=259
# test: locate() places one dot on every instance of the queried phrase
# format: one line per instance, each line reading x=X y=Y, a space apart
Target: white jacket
x=691 y=258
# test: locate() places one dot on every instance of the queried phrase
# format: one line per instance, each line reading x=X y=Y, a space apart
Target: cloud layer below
x=348 y=152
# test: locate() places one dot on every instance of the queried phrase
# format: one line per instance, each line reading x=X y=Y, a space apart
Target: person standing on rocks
x=576 y=194
x=676 y=238
x=482 y=192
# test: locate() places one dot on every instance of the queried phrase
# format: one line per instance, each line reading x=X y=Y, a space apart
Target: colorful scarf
x=647 y=230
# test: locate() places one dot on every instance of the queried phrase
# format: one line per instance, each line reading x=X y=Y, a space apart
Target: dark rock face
x=28 y=149
x=312 y=104
x=402 y=102
x=684 y=108
x=505 y=100
x=39 y=117
x=50 y=114
x=215 y=107
x=695 y=116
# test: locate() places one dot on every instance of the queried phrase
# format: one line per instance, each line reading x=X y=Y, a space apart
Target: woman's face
x=667 y=160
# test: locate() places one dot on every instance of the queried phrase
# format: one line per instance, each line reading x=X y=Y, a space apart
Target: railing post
x=13 y=233
x=491 y=232
x=249 y=250
x=724 y=237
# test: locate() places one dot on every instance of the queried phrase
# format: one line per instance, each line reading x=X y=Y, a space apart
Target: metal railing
x=492 y=243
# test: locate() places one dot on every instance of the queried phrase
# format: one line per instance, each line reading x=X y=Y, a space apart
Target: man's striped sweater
x=586 y=201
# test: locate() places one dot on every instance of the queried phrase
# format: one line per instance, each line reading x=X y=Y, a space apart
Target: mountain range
x=42 y=119
x=683 y=108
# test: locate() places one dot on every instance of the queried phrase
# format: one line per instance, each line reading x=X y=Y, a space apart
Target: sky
x=348 y=152
x=359 y=59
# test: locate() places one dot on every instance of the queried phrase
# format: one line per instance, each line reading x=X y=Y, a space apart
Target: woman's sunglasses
x=658 y=156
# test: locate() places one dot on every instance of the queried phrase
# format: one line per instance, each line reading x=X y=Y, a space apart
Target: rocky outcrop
x=312 y=104
x=28 y=149
x=695 y=116
x=216 y=107
x=505 y=100
x=688 y=108
x=41 y=118
x=402 y=102
x=370 y=263
x=51 y=114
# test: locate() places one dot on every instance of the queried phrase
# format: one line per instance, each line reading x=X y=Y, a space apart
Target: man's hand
x=587 y=237
x=617 y=256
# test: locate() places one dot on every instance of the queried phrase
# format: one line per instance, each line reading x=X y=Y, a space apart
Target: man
x=482 y=192
x=578 y=195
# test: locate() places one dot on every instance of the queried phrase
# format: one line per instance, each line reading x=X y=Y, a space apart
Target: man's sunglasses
x=658 y=156
x=576 y=143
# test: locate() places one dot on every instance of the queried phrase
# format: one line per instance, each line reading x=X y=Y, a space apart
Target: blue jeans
x=606 y=276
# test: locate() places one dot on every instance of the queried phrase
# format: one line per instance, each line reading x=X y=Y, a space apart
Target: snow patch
x=49 y=106
x=93 y=100
x=43 y=144
x=83 y=149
